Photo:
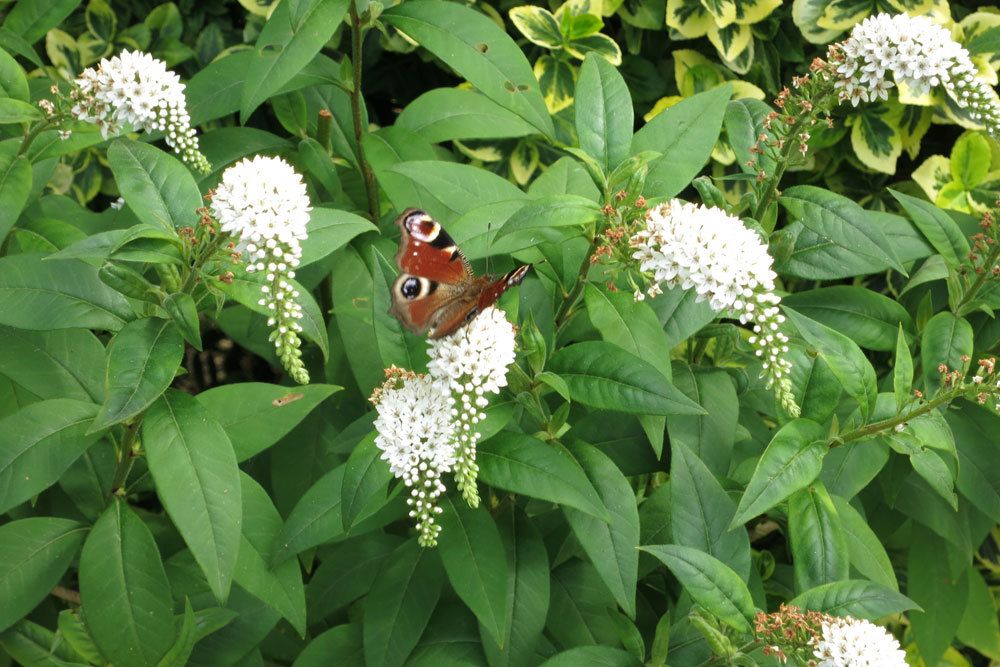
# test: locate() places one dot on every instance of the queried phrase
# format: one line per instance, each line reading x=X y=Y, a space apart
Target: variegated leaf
x=538 y=25
x=597 y=43
x=556 y=80
x=875 y=136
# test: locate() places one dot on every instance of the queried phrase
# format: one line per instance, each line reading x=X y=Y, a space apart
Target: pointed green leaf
x=604 y=116
x=860 y=599
x=819 y=546
x=156 y=186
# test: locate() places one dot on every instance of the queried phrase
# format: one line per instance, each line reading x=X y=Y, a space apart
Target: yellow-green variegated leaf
x=806 y=15
x=524 y=161
x=745 y=89
x=970 y=160
x=597 y=43
x=644 y=14
x=259 y=7
x=723 y=11
x=556 y=80
x=538 y=25
x=955 y=197
x=735 y=46
x=688 y=18
x=480 y=152
x=840 y=15
x=749 y=12
x=63 y=52
x=913 y=125
x=578 y=7
x=911 y=7
x=694 y=73
x=907 y=95
x=975 y=25
x=932 y=175
x=984 y=196
x=723 y=154
x=875 y=136
x=662 y=105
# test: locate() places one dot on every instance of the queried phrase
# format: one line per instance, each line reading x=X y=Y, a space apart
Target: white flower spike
x=473 y=362
x=263 y=202
x=703 y=247
x=852 y=642
x=134 y=89
x=417 y=438
x=885 y=51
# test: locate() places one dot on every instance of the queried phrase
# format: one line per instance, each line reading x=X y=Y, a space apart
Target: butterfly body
x=436 y=291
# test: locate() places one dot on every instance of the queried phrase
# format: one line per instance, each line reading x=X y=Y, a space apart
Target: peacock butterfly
x=436 y=291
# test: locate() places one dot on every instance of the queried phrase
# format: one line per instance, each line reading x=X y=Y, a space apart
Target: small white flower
x=473 y=362
x=134 y=89
x=851 y=642
x=263 y=203
x=417 y=438
x=702 y=247
x=118 y=203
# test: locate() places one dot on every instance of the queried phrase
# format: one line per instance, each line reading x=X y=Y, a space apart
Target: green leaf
x=945 y=340
x=604 y=114
x=342 y=641
x=709 y=582
x=197 y=480
x=124 y=590
x=701 y=512
x=941 y=596
x=791 y=461
x=292 y=36
x=329 y=230
x=872 y=318
x=610 y=546
x=314 y=519
x=446 y=114
x=31 y=20
x=941 y=231
x=631 y=325
x=841 y=221
x=598 y=656
x=156 y=186
x=452 y=189
x=347 y=572
x=980 y=626
x=400 y=604
x=255 y=415
x=975 y=431
x=603 y=375
x=860 y=599
x=864 y=549
x=844 y=358
x=366 y=482
x=523 y=464
x=142 y=360
x=902 y=371
x=71 y=628
x=474 y=560
x=549 y=212
x=396 y=346
x=527 y=568
x=16 y=111
x=38 y=443
x=15 y=185
x=479 y=50
x=709 y=436
x=40 y=295
x=186 y=638
x=280 y=587
x=970 y=160
x=685 y=134
x=819 y=546
x=67 y=363
x=183 y=312
x=34 y=555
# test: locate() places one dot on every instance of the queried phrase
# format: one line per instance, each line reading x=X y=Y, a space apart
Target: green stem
x=981 y=279
x=357 y=40
x=203 y=255
x=771 y=185
x=887 y=424
x=565 y=309
x=32 y=134
x=126 y=457
x=323 y=125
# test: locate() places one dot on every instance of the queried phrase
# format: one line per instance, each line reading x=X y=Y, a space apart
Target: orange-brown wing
x=480 y=295
x=494 y=290
x=420 y=304
x=427 y=251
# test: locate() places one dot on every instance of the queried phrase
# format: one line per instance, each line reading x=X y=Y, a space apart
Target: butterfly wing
x=480 y=295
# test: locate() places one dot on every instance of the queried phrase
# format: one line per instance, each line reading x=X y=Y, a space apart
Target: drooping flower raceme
x=885 y=50
x=134 y=89
x=263 y=202
x=852 y=642
x=417 y=437
x=702 y=247
x=473 y=362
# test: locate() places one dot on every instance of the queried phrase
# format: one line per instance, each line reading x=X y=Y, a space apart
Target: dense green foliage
x=169 y=496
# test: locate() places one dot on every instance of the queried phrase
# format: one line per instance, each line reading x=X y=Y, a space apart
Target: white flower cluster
x=702 y=247
x=417 y=439
x=852 y=642
x=473 y=361
x=885 y=50
x=263 y=202
x=134 y=89
x=427 y=424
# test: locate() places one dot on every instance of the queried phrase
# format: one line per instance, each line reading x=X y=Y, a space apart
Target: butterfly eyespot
x=410 y=288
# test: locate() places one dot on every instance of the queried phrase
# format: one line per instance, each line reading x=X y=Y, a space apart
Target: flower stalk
x=357 y=41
